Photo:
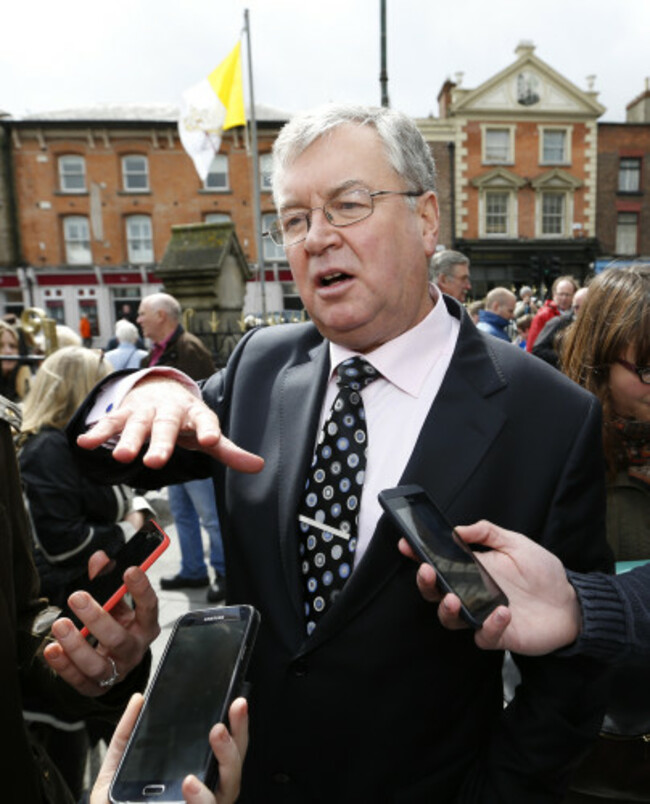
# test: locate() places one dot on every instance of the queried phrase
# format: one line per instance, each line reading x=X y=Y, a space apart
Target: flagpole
x=256 y=171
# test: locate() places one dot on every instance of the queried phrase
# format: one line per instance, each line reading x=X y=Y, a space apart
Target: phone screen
x=435 y=541
x=106 y=588
x=198 y=677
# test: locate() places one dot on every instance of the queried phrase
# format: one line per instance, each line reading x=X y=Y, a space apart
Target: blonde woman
x=72 y=516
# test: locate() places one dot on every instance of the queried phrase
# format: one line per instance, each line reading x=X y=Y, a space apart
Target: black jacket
x=72 y=515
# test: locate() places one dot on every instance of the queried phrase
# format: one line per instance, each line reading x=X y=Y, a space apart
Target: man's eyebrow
x=349 y=184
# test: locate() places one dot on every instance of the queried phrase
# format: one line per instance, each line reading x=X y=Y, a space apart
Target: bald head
x=502 y=302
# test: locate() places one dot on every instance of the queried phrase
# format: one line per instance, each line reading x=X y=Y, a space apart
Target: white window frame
x=566 y=157
x=505 y=195
x=508 y=156
x=76 y=237
x=272 y=252
x=628 y=173
x=219 y=171
x=266 y=162
x=553 y=215
x=624 y=245
x=67 y=164
x=217 y=217
x=131 y=173
x=139 y=244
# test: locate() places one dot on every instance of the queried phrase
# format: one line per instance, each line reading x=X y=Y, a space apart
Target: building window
x=553 y=213
x=629 y=175
x=135 y=174
x=217 y=217
x=265 y=172
x=217 y=178
x=76 y=234
x=554 y=146
x=496 y=213
x=627 y=225
x=497 y=146
x=272 y=253
x=72 y=174
x=139 y=239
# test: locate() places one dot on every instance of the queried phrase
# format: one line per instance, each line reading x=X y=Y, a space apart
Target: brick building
x=96 y=194
x=623 y=205
x=524 y=183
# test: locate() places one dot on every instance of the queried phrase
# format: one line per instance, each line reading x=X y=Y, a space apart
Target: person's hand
x=166 y=413
x=543 y=614
x=123 y=634
x=229 y=749
x=136 y=518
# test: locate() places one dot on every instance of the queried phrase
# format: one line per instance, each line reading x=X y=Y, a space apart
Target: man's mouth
x=332 y=279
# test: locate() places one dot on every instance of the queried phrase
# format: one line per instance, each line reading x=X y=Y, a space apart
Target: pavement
x=172 y=604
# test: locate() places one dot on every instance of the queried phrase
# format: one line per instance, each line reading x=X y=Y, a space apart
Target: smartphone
x=435 y=541
x=200 y=673
x=141 y=550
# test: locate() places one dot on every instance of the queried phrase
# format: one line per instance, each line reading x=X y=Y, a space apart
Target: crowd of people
x=376 y=698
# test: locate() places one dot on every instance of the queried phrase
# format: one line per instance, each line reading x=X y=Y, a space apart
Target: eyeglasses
x=344 y=209
x=643 y=372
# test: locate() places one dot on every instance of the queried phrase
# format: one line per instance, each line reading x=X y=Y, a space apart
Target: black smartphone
x=434 y=541
x=141 y=550
x=201 y=672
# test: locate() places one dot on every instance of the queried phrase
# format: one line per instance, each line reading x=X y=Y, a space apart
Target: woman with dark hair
x=607 y=351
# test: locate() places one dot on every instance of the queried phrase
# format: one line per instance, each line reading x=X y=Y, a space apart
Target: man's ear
x=430 y=221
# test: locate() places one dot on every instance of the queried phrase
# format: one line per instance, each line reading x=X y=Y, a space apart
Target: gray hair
x=443 y=262
x=125 y=331
x=406 y=149
x=165 y=302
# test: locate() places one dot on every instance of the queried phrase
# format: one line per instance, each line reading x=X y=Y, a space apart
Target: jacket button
x=300 y=668
x=281 y=778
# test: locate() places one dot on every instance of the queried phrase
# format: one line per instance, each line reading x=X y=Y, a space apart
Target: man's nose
x=321 y=233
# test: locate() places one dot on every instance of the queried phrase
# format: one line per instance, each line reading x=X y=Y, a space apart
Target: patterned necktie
x=329 y=509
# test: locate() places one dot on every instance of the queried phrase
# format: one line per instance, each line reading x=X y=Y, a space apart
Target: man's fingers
x=487 y=534
x=490 y=635
x=449 y=613
x=426 y=581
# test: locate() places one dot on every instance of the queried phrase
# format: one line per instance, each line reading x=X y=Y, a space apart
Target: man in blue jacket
x=499 y=311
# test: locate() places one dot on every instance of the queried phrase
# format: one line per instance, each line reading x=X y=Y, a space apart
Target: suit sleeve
x=560 y=701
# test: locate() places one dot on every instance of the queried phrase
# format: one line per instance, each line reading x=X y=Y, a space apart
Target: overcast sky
x=305 y=52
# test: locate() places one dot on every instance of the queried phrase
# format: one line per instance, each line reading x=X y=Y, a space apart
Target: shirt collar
x=407 y=360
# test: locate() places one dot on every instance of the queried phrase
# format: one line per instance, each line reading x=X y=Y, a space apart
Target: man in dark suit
x=379 y=703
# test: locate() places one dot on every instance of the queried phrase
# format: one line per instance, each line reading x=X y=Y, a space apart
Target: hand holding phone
x=435 y=542
x=201 y=671
x=141 y=550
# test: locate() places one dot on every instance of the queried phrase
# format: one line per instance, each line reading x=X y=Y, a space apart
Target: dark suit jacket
x=381 y=704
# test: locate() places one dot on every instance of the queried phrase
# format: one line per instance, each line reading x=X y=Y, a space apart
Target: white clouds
x=78 y=52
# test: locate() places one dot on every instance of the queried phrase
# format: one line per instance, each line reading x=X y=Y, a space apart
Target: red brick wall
x=176 y=195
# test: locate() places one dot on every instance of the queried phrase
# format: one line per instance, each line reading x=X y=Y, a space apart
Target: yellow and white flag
x=211 y=107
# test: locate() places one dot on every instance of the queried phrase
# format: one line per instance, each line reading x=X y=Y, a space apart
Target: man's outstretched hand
x=164 y=413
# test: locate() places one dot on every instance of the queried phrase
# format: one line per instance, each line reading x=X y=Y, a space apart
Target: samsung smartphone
x=201 y=672
x=141 y=550
x=434 y=541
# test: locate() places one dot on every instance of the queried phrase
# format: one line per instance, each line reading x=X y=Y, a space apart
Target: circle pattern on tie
x=333 y=492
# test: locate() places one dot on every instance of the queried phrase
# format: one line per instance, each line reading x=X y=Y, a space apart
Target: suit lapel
x=460 y=427
x=301 y=390
x=463 y=421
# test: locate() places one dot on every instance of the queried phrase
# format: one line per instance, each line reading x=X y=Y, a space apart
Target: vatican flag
x=210 y=108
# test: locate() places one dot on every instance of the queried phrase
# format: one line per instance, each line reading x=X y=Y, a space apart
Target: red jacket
x=547 y=311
